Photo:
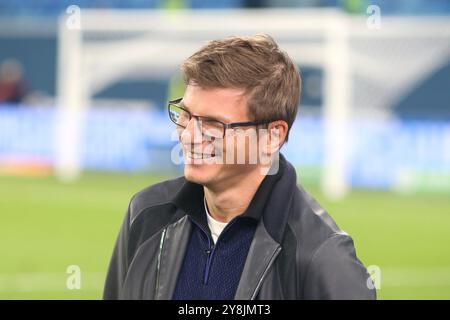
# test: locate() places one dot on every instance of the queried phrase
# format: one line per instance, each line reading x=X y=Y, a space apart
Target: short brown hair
x=256 y=64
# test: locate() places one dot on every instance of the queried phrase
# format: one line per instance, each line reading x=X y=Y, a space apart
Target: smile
x=194 y=155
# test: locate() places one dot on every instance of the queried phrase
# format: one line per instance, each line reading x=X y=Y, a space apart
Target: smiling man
x=236 y=225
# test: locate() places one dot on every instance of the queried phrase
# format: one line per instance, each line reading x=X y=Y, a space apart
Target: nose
x=192 y=134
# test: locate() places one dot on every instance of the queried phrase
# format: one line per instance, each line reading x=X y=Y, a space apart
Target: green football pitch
x=47 y=226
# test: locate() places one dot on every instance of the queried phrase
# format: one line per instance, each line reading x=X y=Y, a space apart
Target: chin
x=201 y=174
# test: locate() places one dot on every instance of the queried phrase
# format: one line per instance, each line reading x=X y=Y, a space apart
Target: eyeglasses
x=209 y=127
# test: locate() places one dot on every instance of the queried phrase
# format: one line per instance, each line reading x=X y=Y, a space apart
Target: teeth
x=198 y=155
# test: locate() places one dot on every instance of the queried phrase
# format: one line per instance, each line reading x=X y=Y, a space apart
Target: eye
x=178 y=115
x=212 y=128
x=184 y=115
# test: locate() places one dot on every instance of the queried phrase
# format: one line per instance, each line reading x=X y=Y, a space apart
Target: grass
x=47 y=226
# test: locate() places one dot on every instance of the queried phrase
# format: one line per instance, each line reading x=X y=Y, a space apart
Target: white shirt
x=215 y=226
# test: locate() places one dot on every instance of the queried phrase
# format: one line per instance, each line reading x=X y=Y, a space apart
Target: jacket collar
x=266 y=244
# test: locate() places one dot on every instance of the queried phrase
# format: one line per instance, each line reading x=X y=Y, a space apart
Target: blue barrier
x=114 y=139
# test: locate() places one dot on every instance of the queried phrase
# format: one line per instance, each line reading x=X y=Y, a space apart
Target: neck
x=225 y=203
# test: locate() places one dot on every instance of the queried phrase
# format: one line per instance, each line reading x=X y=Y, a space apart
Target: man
x=236 y=225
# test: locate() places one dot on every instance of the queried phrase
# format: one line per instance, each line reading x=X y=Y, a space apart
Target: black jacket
x=297 y=252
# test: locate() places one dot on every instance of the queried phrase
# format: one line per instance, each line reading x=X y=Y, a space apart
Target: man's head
x=238 y=79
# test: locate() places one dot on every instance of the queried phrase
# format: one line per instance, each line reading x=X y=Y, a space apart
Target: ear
x=274 y=138
x=277 y=131
x=270 y=146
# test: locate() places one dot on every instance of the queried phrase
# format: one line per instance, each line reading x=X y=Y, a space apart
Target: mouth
x=196 y=155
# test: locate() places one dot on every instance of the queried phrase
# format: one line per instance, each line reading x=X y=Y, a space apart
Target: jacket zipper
x=211 y=249
x=158 y=267
x=210 y=253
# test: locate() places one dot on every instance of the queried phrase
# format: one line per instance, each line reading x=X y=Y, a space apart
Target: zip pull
x=209 y=252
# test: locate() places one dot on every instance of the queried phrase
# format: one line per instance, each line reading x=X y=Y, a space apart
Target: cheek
x=234 y=149
x=228 y=149
x=180 y=133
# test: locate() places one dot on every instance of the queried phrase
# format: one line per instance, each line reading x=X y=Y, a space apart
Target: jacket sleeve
x=336 y=273
x=118 y=265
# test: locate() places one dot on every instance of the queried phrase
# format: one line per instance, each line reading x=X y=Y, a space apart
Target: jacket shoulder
x=309 y=215
x=335 y=272
x=311 y=225
x=331 y=269
x=155 y=195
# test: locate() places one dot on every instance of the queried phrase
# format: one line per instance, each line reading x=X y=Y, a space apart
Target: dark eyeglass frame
x=225 y=125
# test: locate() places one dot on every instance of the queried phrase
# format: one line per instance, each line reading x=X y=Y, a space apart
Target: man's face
x=227 y=105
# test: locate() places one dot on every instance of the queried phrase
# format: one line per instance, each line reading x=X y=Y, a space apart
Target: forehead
x=226 y=104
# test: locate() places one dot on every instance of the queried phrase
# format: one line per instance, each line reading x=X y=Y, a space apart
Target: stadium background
x=397 y=208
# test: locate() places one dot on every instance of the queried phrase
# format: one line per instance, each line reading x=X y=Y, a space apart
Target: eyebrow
x=183 y=105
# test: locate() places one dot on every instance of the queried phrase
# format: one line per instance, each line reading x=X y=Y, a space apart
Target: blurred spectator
x=13 y=88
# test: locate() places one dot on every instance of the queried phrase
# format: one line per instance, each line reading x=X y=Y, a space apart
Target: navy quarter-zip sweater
x=212 y=271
